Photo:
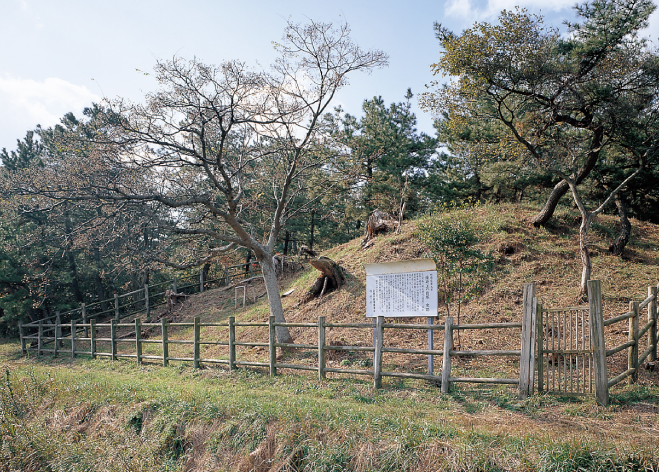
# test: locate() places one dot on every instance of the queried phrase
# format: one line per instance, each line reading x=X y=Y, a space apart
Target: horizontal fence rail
x=104 y=340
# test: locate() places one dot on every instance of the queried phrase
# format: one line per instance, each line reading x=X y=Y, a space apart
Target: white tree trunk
x=274 y=298
x=586 y=264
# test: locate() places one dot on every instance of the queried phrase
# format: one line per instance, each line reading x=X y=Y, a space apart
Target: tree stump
x=379 y=222
x=331 y=277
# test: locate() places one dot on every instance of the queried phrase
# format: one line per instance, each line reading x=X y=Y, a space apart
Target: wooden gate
x=565 y=351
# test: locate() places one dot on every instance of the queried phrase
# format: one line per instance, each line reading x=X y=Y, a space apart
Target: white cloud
x=27 y=102
x=470 y=11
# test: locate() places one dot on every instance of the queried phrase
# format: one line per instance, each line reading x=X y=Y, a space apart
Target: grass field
x=59 y=414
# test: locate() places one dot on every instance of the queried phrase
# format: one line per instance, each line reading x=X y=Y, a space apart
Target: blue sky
x=61 y=55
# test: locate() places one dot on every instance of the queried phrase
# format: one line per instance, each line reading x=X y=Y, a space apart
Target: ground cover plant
x=83 y=414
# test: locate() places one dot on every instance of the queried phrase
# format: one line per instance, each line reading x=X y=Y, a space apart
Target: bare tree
x=224 y=149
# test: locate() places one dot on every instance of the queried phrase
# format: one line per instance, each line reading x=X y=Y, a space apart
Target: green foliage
x=463 y=268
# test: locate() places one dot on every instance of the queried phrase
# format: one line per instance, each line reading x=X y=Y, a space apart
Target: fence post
x=58 y=333
x=83 y=309
x=195 y=361
x=73 y=339
x=92 y=339
x=175 y=285
x=540 y=347
x=527 y=358
x=226 y=276
x=377 y=361
x=138 y=340
x=271 y=342
x=652 y=316
x=321 y=348
x=201 y=280
x=22 y=335
x=431 y=347
x=448 y=346
x=165 y=345
x=632 y=352
x=113 y=341
x=147 y=304
x=597 y=340
x=116 y=307
x=232 y=343
x=40 y=339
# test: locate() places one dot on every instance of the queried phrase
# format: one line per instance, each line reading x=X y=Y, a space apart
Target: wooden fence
x=85 y=339
x=567 y=345
x=571 y=345
x=137 y=302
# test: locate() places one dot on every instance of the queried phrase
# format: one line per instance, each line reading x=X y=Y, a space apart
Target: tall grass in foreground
x=102 y=416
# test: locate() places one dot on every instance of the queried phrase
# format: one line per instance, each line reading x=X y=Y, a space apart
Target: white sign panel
x=401 y=289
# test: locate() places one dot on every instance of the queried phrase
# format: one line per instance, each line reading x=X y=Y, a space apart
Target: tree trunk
x=73 y=268
x=313 y=214
x=562 y=187
x=618 y=246
x=287 y=238
x=274 y=299
x=587 y=266
x=550 y=205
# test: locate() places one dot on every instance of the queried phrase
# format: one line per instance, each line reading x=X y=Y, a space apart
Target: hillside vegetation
x=59 y=414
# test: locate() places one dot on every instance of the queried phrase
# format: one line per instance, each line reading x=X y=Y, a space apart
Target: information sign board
x=401 y=289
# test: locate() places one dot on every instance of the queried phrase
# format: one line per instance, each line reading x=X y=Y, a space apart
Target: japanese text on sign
x=400 y=293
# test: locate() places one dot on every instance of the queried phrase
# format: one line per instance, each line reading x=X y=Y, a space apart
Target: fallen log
x=331 y=277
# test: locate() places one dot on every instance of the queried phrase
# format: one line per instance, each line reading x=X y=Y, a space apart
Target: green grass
x=100 y=415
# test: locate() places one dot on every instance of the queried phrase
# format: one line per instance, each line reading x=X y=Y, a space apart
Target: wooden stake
x=196 y=342
x=597 y=340
x=321 y=348
x=448 y=346
x=272 y=340
x=379 y=343
x=138 y=340
x=632 y=353
x=232 y=343
x=165 y=344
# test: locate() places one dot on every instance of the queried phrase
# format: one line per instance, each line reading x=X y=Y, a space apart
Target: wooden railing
x=633 y=316
x=102 y=340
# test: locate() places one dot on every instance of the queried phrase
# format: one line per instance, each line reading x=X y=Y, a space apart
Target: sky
x=59 y=56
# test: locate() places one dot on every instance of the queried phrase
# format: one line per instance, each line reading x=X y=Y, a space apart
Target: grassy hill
x=58 y=414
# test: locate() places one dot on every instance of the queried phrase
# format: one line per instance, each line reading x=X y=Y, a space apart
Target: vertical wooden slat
x=40 y=339
x=21 y=332
x=379 y=342
x=147 y=303
x=527 y=339
x=539 y=342
x=57 y=334
x=138 y=340
x=632 y=353
x=113 y=342
x=116 y=307
x=92 y=340
x=73 y=339
x=85 y=321
x=652 y=316
x=232 y=343
x=201 y=280
x=431 y=346
x=195 y=361
x=448 y=346
x=165 y=342
x=175 y=285
x=271 y=342
x=597 y=340
x=321 y=348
